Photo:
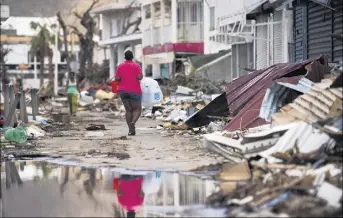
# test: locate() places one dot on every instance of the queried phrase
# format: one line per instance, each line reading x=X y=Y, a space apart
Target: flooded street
x=40 y=188
x=149 y=149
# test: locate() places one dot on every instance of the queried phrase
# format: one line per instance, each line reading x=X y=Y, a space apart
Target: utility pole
x=56 y=60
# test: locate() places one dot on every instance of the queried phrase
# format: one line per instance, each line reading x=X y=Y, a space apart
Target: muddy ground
x=149 y=149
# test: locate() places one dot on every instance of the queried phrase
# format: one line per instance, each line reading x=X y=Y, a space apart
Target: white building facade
x=258 y=32
x=116 y=34
x=16 y=35
x=172 y=30
x=169 y=32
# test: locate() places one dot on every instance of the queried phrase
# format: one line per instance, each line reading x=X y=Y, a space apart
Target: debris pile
x=189 y=110
x=283 y=144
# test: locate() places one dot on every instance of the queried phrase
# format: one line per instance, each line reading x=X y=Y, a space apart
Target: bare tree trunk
x=41 y=69
x=51 y=71
x=65 y=40
x=3 y=73
x=90 y=61
x=82 y=60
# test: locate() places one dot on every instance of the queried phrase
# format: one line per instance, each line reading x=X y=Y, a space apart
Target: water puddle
x=40 y=188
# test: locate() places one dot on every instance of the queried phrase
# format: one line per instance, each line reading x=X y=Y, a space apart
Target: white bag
x=152 y=183
x=151 y=92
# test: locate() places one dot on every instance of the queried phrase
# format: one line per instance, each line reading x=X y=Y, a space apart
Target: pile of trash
x=283 y=142
x=23 y=132
x=187 y=109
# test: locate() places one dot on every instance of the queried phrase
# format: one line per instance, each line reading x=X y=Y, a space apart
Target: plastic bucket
x=115 y=86
x=18 y=135
x=116 y=184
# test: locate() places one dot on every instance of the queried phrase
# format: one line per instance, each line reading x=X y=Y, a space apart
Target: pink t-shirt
x=128 y=72
x=130 y=197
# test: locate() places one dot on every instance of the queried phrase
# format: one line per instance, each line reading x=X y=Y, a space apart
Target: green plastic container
x=18 y=135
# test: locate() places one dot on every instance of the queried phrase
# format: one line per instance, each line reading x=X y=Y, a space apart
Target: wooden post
x=34 y=102
x=6 y=101
x=12 y=110
x=23 y=111
x=12 y=97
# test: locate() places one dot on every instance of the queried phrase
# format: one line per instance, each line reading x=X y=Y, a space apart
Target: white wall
x=228 y=7
x=18 y=54
x=112 y=23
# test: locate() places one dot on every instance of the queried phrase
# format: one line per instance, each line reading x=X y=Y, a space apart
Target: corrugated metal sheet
x=317 y=104
x=245 y=58
x=319 y=29
x=278 y=38
x=300 y=29
x=261 y=45
x=245 y=95
x=314 y=26
x=242 y=57
x=337 y=29
x=273 y=98
x=276 y=95
x=306 y=137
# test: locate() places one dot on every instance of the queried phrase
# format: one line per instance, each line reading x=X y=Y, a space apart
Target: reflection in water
x=46 y=189
x=129 y=193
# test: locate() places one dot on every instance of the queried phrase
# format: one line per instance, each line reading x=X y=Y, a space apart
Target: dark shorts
x=126 y=96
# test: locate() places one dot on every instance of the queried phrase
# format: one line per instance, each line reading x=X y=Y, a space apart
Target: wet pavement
x=51 y=188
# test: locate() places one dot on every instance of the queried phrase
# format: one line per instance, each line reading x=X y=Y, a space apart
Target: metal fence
x=190 y=21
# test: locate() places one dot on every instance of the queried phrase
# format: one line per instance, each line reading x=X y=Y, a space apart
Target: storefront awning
x=160 y=58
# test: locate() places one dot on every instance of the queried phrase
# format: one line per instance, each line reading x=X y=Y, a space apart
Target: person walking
x=129 y=193
x=72 y=93
x=129 y=75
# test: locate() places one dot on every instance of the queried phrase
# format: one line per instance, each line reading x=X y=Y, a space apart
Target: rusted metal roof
x=245 y=94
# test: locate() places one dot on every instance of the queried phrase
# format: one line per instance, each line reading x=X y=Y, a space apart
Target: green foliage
x=41 y=41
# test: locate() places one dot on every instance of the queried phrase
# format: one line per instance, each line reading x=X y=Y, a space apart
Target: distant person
x=72 y=93
x=130 y=193
x=129 y=75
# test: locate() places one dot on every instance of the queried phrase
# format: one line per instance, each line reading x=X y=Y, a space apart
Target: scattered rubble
x=279 y=130
x=293 y=166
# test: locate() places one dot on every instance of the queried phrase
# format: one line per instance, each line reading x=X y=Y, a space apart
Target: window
x=194 y=12
x=212 y=18
x=147 y=11
x=157 y=9
x=148 y=70
x=167 y=8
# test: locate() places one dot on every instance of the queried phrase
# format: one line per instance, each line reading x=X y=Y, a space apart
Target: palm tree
x=40 y=46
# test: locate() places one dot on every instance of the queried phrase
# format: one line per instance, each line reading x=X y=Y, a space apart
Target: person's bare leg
x=128 y=114
x=137 y=110
x=70 y=103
